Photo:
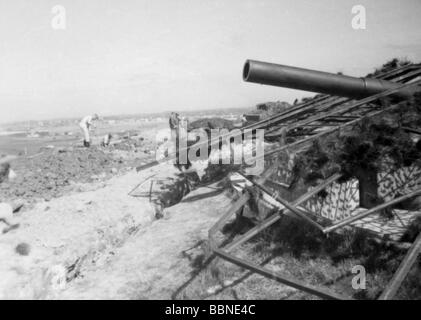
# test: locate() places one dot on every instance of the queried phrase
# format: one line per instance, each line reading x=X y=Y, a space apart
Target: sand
x=103 y=243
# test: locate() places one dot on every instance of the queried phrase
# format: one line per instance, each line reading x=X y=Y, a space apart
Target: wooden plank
x=278 y=184
x=141 y=183
x=412 y=130
x=337 y=101
x=288 y=113
x=344 y=109
x=150 y=191
x=392 y=73
x=302 y=214
x=292 y=282
x=274 y=218
x=237 y=205
x=403 y=270
x=371 y=211
x=405 y=76
x=321 y=134
x=150 y=164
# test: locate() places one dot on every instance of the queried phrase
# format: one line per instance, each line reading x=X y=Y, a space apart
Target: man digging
x=86 y=125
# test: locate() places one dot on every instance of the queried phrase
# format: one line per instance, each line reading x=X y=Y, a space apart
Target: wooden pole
x=412 y=130
x=368 y=188
x=295 y=283
x=370 y=211
x=302 y=214
x=274 y=218
x=238 y=204
x=140 y=184
x=404 y=268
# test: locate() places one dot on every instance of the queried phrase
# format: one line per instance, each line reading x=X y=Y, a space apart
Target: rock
x=214 y=289
x=114 y=171
x=228 y=282
x=17 y=205
x=23 y=249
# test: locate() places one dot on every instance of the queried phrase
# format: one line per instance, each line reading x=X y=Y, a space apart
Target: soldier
x=86 y=124
x=176 y=125
x=174 y=122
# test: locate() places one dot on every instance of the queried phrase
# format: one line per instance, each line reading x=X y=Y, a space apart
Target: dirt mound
x=211 y=123
x=135 y=144
x=268 y=109
x=52 y=173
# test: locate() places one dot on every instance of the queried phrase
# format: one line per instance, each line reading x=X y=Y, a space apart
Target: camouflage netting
x=379 y=143
x=170 y=191
x=374 y=144
x=390 y=65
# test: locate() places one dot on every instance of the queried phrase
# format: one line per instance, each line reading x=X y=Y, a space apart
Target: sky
x=139 y=56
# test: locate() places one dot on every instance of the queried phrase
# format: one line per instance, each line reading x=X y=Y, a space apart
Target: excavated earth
x=103 y=243
x=56 y=172
x=83 y=234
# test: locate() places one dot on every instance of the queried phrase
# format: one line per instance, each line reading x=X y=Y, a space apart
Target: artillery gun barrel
x=317 y=81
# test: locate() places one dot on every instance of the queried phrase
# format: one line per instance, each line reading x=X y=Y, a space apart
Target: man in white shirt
x=85 y=124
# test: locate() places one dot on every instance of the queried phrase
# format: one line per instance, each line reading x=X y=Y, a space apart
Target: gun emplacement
x=317 y=81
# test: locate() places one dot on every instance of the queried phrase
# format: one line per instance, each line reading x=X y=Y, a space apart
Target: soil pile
x=211 y=123
x=51 y=173
x=135 y=144
x=269 y=109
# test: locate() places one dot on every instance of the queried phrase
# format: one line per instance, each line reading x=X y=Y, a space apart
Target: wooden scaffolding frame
x=316 y=115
